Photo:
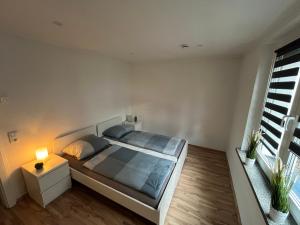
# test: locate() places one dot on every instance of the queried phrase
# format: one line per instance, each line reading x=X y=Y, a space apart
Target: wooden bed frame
x=158 y=215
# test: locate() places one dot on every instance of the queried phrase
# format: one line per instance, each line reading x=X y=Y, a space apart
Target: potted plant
x=254 y=139
x=281 y=185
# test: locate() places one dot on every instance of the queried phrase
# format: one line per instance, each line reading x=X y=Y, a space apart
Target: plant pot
x=249 y=162
x=277 y=216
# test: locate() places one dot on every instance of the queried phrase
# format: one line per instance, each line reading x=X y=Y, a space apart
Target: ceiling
x=141 y=30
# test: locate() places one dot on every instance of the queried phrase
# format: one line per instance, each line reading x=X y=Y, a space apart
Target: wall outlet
x=12 y=136
x=3 y=99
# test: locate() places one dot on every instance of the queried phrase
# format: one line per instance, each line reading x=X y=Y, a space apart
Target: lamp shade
x=41 y=154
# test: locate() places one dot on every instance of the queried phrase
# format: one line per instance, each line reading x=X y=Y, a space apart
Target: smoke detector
x=57 y=23
x=184 y=46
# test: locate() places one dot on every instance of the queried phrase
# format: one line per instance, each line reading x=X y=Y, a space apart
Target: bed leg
x=161 y=218
x=161 y=222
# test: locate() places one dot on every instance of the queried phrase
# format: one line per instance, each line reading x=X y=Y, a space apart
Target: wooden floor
x=203 y=196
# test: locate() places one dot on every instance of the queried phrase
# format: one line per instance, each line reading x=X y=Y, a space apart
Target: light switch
x=12 y=136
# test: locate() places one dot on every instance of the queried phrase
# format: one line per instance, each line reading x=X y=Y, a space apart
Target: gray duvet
x=155 y=142
x=143 y=172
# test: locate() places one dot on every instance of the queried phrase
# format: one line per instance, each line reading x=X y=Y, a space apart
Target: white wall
x=52 y=90
x=248 y=208
x=243 y=97
x=191 y=98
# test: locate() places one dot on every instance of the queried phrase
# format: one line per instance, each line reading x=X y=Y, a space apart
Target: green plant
x=281 y=185
x=254 y=139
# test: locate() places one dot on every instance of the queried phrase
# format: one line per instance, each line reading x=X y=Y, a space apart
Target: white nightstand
x=137 y=125
x=47 y=184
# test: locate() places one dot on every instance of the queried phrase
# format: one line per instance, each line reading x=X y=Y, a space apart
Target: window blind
x=280 y=93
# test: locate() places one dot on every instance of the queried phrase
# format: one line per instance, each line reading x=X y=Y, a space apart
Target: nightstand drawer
x=53 y=177
x=55 y=191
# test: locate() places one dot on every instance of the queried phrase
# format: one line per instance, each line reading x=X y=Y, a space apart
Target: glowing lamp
x=41 y=154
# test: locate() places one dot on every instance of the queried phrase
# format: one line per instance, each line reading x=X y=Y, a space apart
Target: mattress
x=146 y=199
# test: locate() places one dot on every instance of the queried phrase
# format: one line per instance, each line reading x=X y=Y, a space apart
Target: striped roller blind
x=281 y=90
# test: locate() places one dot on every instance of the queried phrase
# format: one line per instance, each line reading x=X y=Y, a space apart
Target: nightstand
x=47 y=184
x=137 y=125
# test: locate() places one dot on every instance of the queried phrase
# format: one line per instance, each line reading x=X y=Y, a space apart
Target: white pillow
x=79 y=149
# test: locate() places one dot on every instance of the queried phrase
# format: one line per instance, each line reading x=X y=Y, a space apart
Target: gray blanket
x=143 y=172
x=155 y=142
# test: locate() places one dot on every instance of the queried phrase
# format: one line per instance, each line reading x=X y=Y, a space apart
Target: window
x=278 y=102
x=280 y=121
x=293 y=164
x=296 y=173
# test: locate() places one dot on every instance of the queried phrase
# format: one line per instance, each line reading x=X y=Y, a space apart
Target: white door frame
x=5 y=190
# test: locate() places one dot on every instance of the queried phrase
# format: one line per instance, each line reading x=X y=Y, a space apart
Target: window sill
x=261 y=189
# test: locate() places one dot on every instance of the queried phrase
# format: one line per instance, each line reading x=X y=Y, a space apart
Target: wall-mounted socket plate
x=12 y=136
x=3 y=99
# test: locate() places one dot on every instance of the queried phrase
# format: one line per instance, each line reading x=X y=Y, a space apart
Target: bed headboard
x=63 y=140
x=102 y=126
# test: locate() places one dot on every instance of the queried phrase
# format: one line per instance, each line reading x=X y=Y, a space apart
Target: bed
x=136 y=139
x=153 y=209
